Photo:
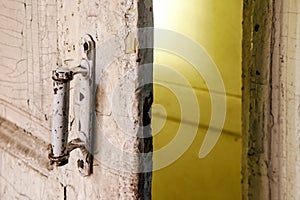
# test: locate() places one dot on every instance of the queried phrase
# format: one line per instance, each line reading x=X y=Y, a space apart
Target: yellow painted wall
x=217 y=26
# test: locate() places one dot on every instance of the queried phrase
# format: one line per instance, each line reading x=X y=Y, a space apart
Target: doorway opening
x=215 y=26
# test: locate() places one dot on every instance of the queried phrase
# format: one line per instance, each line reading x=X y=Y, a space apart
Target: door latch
x=83 y=106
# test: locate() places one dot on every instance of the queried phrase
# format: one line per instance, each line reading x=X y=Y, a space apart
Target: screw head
x=80 y=164
x=86 y=46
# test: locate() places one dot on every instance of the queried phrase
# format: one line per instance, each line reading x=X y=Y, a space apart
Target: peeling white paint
x=38 y=37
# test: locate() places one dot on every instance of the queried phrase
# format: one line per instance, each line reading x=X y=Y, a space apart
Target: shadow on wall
x=217 y=26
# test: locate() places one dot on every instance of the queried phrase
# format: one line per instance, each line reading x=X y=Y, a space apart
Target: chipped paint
x=47 y=36
x=60 y=117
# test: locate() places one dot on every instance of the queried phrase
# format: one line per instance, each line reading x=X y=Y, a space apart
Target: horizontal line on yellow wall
x=173 y=105
x=202 y=126
x=198 y=88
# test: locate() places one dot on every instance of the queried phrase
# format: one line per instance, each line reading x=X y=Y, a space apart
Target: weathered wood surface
x=35 y=38
x=28 y=52
x=271 y=100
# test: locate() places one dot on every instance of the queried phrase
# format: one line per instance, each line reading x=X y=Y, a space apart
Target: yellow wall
x=216 y=25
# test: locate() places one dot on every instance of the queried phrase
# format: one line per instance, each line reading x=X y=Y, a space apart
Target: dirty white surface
x=271 y=100
x=39 y=36
x=287 y=99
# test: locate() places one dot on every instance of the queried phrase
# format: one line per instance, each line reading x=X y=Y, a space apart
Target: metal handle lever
x=60 y=148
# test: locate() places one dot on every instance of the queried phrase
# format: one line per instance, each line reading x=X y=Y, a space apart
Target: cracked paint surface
x=39 y=36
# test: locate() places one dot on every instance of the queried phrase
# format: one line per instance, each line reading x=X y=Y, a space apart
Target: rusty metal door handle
x=84 y=110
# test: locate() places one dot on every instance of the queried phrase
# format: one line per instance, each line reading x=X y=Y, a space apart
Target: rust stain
x=55 y=90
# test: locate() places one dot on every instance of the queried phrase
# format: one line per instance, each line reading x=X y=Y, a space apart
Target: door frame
x=270 y=100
